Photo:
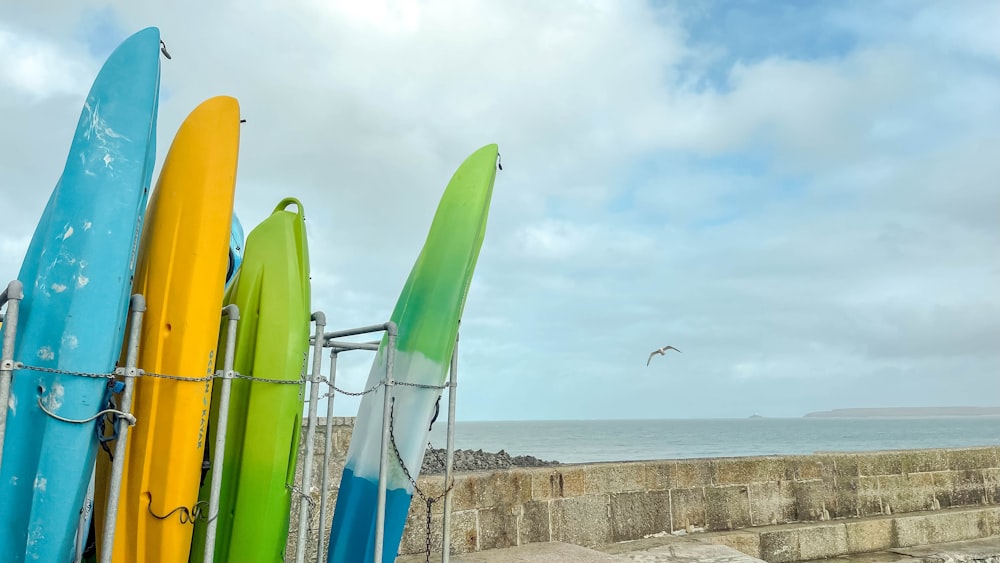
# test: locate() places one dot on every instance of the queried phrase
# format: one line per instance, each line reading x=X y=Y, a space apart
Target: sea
x=582 y=441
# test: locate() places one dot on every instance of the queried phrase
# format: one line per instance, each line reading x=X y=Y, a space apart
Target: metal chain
x=427 y=499
x=419 y=385
x=308 y=498
x=177 y=377
x=19 y=365
x=352 y=394
x=142 y=373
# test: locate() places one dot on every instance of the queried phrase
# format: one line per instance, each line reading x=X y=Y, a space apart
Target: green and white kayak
x=427 y=316
x=271 y=289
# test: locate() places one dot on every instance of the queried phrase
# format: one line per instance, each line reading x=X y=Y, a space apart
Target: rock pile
x=478 y=460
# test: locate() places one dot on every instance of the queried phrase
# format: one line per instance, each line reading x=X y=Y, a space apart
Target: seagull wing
x=665 y=348
x=651 y=354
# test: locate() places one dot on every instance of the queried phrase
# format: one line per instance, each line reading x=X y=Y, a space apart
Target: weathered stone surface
x=869 y=496
x=740 y=471
x=463 y=533
x=744 y=542
x=779 y=546
x=924 y=461
x=822 y=541
x=535 y=524
x=560 y=483
x=810 y=499
x=638 y=514
x=907 y=493
x=581 y=520
x=805 y=468
x=598 y=503
x=727 y=507
x=691 y=473
x=869 y=535
x=614 y=478
x=687 y=508
x=880 y=463
x=772 y=503
x=966 y=459
x=660 y=475
x=498 y=527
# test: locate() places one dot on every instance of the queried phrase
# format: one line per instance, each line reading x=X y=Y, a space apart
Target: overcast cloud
x=803 y=197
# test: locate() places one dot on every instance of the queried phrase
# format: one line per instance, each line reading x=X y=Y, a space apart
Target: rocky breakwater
x=478 y=460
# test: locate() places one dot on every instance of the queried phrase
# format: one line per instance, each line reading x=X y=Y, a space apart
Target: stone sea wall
x=601 y=503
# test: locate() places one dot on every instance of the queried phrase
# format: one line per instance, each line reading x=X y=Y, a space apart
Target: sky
x=803 y=197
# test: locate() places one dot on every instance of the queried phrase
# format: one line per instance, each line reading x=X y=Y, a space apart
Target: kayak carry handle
x=283 y=206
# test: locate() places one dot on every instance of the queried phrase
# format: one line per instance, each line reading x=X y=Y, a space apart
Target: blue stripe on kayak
x=356 y=506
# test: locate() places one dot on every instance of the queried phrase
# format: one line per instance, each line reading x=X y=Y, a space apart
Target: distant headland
x=915 y=412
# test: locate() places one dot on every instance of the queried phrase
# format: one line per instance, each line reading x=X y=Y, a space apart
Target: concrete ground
x=692 y=550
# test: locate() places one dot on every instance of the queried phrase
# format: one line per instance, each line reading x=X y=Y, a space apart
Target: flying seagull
x=662 y=352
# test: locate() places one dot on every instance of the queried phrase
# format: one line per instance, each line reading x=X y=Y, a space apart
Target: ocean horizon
x=583 y=441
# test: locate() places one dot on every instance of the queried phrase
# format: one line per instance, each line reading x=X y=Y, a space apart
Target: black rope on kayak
x=163 y=49
x=499 y=161
x=187 y=515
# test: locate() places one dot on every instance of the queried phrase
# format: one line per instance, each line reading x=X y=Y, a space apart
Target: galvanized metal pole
x=324 y=488
x=12 y=296
x=383 y=472
x=450 y=457
x=118 y=462
x=233 y=313
x=317 y=365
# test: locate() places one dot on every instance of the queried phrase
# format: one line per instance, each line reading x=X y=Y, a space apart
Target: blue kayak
x=77 y=277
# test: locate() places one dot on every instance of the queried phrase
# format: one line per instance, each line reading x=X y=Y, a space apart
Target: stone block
x=967 y=488
x=687 y=508
x=907 y=493
x=638 y=514
x=938 y=527
x=463 y=533
x=498 y=527
x=692 y=473
x=727 y=507
x=779 y=546
x=535 y=524
x=967 y=459
x=807 y=468
x=868 y=535
x=497 y=488
x=739 y=471
x=581 y=520
x=744 y=542
x=869 y=496
x=846 y=466
x=660 y=475
x=881 y=463
x=991 y=485
x=613 y=478
x=559 y=483
x=810 y=498
x=924 y=461
x=772 y=503
x=822 y=541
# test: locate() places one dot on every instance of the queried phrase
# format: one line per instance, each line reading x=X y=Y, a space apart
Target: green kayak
x=272 y=342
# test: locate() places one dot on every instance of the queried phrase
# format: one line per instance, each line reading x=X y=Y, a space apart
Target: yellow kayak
x=181 y=271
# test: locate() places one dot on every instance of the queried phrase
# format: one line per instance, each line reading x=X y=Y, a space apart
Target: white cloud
x=813 y=221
